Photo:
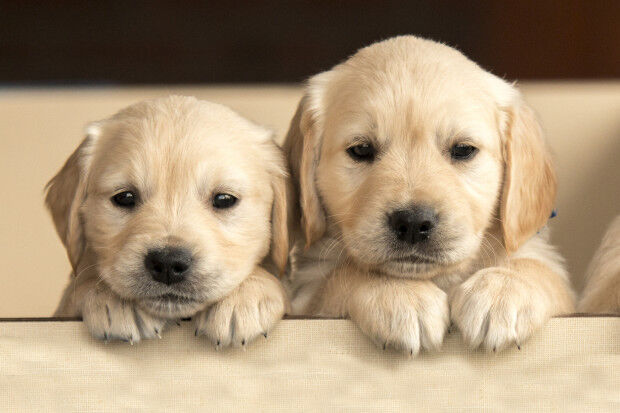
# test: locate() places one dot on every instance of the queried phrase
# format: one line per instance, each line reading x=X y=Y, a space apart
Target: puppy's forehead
x=180 y=135
x=410 y=85
x=404 y=65
x=179 y=120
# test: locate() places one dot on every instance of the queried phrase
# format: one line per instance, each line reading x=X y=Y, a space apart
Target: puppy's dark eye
x=125 y=199
x=222 y=201
x=363 y=152
x=462 y=151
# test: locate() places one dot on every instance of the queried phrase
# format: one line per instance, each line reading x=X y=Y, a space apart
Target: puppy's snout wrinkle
x=413 y=225
x=168 y=265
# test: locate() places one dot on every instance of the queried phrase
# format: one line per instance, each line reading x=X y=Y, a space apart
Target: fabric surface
x=572 y=365
x=39 y=128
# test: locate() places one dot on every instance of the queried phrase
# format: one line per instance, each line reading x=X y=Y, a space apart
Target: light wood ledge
x=573 y=364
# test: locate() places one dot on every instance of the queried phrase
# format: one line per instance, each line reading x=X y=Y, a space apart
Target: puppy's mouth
x=179 y=299
x=414 y=259
x=172 y=305
x=410 y=266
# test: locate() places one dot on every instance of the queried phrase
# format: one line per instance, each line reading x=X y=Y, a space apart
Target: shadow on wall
x=596 y=196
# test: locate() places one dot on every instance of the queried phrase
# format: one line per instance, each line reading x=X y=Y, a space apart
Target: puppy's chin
x=171 y=306
x=404 y=269
x=419 y=270
x=421 y=264
x=179 y=300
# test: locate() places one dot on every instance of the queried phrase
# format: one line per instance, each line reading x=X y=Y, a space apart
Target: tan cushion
x=572 y=365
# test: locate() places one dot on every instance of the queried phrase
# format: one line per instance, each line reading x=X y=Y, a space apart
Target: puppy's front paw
x=403 y=314
x=109 y=317
x=495 y=307
x=249 y=311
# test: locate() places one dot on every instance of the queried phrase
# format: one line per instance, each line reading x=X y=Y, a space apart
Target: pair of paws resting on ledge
x=492 y=309
x=250 y=311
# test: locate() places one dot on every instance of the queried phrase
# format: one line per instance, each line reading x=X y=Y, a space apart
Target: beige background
x=39 y=128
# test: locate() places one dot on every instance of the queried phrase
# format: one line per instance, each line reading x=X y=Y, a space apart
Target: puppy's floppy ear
x=529 y=178
x=65 y=193
x=279 y=221
x=302 y=147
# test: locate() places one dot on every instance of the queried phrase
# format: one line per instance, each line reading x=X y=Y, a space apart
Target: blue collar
x=554 y=213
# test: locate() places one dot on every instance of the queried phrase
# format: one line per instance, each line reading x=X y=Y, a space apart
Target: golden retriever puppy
x=602 y=292
x=424 y=186
x=166 y=210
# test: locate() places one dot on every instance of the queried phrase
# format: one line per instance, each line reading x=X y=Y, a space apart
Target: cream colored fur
x=493 y=273
x=176 y=153
x=602 y=292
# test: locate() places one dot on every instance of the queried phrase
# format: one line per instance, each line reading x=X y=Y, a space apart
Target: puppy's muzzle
x=168 y=265
x=414 y=225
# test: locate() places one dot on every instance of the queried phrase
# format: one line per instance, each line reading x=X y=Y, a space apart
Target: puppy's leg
x=252 y=309
x=498 y=306
x=403 y=314
x=107 y=316
x=602 y=292
x=602 y=298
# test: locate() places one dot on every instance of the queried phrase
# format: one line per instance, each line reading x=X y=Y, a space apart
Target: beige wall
x=39 y=128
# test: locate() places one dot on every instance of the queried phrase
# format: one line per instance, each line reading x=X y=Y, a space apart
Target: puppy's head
x=411 y=152
x=175 y=199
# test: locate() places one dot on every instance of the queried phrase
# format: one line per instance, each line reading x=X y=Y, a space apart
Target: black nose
x=413 y=225
x=168 y=265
